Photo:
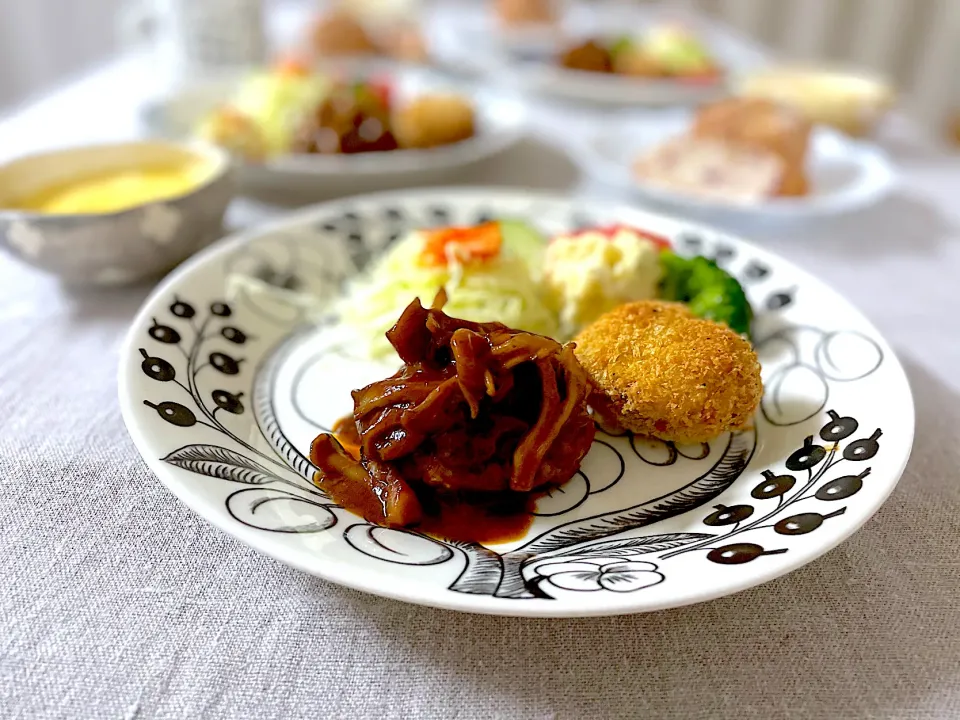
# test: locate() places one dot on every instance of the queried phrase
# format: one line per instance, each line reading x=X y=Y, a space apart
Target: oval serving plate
x=223 y=386
x=467 y=38
x=499 y=117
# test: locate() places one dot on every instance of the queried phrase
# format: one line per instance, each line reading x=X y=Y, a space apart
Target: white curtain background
x=916 y=43
x=45 y=42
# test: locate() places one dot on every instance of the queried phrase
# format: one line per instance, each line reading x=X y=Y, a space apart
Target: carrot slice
x=466 y=244
x=293 y=65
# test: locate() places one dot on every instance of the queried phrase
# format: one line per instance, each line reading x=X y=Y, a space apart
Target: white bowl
x=119 y=247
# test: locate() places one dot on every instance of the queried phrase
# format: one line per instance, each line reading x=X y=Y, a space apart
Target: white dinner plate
x=845 y=174
x=469 y=38
x=500 y=119
x=223 y=386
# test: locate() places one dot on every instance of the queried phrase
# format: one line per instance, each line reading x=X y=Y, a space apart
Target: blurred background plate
x=465 y=36
x=499 y=117
x=845 y=174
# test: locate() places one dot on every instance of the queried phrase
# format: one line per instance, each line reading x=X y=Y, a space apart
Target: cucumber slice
x=526 y=242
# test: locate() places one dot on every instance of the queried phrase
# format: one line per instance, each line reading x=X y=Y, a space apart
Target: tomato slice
x=381 y=86
x=376 y=90
x=467 y=244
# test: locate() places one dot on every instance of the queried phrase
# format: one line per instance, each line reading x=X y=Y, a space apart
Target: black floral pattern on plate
x=245 y=465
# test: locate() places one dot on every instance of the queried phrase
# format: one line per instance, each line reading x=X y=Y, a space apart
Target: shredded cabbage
x=502 y=290
x=276 y=103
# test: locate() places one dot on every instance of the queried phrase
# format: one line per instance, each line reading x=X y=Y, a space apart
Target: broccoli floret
x=710 y=291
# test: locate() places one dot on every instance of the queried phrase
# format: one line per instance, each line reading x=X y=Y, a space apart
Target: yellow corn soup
x=118 y=189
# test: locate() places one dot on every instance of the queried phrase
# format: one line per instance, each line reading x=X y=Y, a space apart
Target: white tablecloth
x=117 y=602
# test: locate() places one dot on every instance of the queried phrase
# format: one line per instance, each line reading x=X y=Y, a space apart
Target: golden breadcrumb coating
x=340 y=33
x=661 y=372
x=524 y=12
x=433 y=120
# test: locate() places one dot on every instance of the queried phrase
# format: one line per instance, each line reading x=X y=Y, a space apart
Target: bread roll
x=525 y=12
x=433 y=120
x=760 y=124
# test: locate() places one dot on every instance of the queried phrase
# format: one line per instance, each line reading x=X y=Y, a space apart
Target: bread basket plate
x=845 y=174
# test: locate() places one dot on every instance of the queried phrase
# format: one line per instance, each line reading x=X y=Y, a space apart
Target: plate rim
x=454 y=601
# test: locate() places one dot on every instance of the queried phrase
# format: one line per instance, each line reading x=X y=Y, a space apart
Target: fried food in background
x=348 y=31
x=588 y=57
x=763 y=125
x=340 y=33
x=433 y=120
x=658 y=371
x=525 y=12
x=953 y=129
x=404 y=42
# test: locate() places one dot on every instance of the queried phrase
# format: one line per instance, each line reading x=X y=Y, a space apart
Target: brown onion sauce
x=345 y=431
x=483 y=518
x=455 y=442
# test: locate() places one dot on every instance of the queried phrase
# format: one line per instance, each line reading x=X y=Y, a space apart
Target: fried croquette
x=659 y=371
x=525 y=12
x=433 y=120
x=339 y=33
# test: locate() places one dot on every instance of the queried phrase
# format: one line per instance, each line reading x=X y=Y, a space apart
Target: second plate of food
x=608 y=56
x=382 y=392
x=344 y=126
x=742 y=159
